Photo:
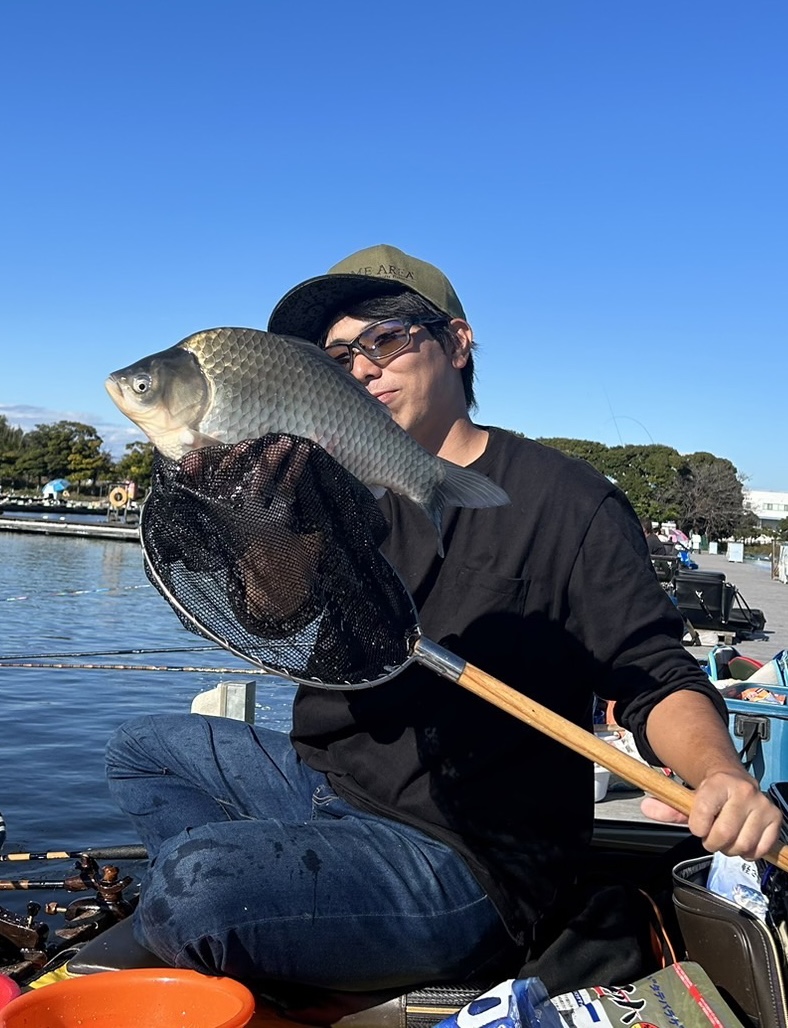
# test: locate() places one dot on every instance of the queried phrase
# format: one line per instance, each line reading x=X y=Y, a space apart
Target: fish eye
x=141 y=384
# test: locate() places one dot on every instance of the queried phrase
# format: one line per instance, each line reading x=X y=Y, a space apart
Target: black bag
x=616 y=925
x=605 y=933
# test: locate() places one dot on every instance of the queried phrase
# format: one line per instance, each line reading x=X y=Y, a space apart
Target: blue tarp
x=57 y=485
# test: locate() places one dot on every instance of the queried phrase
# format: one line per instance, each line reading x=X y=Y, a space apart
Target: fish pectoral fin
x=193 y=440
x=464 y=487
x=461 y=487
x=377 y=490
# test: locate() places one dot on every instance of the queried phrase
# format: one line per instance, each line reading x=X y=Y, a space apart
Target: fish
x=225 y=385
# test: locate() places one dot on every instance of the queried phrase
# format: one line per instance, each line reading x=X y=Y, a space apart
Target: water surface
x=80 y=596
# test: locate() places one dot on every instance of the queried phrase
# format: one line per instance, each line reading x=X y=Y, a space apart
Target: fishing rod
x=87 y=871
x=113 y=653
x=30 y=884
x=132 y=851
x=142 y=667
x=75 y=592
x=102 y=903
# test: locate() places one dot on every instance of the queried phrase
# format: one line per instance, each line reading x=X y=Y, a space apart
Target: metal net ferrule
x=446 y=664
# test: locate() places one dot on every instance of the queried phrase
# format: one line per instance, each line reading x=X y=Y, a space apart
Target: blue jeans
x=261 y=872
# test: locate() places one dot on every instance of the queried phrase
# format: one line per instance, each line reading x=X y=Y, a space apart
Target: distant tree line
x=71 y=450
x=700 y=492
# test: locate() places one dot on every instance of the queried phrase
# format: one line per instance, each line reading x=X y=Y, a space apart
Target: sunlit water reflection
x=76 y=595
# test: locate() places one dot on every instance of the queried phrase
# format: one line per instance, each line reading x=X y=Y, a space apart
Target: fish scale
x=225 y=385
x=339 y=416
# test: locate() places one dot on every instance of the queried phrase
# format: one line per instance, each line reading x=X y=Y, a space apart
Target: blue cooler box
x=760 y=734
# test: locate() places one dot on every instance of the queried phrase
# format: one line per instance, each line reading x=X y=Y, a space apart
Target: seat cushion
x=114 y=950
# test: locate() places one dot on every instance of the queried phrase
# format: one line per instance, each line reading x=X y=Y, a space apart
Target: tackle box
x=704 y=596
x=759 y=729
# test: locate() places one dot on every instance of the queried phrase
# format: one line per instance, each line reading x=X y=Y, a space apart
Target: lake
x=87 y=596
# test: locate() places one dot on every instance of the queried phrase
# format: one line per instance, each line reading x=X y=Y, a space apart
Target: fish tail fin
x=462 y=487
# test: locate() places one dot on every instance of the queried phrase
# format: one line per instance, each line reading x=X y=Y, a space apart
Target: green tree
x=87 y=460
x=647 y=474
x=781 y=532
x=701 y=492
x=136 y=465
x=11 y=441
x=10 y=436
x=44 y=455
x=585 y=449
x=65 y=449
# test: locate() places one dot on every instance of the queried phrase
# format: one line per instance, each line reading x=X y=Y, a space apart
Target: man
x=656 y=548
x=413 y=832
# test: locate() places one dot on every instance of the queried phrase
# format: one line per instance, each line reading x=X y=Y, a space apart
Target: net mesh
x=270 y=548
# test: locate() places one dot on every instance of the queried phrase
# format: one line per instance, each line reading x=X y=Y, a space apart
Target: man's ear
x=462 y=334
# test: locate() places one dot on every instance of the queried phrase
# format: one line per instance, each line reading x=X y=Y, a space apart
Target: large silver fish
x=225 y=385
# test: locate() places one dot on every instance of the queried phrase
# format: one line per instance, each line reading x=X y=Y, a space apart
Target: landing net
x=270 y=548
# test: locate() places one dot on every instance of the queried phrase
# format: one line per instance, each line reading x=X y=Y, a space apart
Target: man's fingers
x=748 y=832
x=736 y=820
x=279 y=466
x=294 y=465
x=731 y=815
x=659 y=811
x=281 y=460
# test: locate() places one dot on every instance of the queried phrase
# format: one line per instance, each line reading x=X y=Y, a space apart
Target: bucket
x=153 y=997
x=601 y=782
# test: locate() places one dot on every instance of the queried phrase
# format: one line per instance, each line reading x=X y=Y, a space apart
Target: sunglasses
x=378 y=341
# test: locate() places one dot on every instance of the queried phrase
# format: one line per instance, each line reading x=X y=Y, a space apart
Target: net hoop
x=253 y=659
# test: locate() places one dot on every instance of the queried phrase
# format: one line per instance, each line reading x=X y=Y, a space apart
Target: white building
x=770 y=508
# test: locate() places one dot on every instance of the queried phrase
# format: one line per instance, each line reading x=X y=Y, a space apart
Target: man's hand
x=729 y=813
x=252 y=490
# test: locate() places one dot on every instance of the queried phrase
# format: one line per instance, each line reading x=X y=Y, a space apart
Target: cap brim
x=307 y=309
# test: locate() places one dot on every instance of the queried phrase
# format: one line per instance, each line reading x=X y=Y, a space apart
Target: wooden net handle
x=586 y=743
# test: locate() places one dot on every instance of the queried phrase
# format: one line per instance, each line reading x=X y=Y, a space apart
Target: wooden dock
x=125 y=533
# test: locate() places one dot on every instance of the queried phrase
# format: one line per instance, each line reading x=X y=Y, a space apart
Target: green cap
x=377 y=271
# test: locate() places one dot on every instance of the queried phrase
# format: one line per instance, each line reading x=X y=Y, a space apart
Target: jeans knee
x=191 y=891
x=119 y=743
x=150 y=741
x=123 y=749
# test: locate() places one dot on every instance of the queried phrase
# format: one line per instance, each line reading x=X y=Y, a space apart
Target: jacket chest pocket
x=486 y=593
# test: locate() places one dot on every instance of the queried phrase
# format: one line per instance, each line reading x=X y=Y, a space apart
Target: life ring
x=118 y=497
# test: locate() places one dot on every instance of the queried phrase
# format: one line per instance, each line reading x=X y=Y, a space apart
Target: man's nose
x=363 y=368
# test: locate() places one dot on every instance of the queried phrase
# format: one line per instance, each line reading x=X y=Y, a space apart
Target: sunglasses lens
x=385 y=338
x=381 y=340
x=340 y=352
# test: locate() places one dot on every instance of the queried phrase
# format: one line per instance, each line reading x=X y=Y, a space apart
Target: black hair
x=404 y=305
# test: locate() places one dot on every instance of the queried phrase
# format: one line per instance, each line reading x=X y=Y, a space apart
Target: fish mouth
x=114 y=389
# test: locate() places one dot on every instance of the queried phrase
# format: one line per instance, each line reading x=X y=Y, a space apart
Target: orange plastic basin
x=155 y=998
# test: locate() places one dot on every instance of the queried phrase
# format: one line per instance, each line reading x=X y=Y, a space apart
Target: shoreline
x=40 y=507
x=754 y=582
x=124 y=533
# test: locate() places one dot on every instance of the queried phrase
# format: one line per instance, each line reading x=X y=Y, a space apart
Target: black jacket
x=554 y=595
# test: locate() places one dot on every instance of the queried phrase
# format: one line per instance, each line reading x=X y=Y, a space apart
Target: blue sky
x=604 y=181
